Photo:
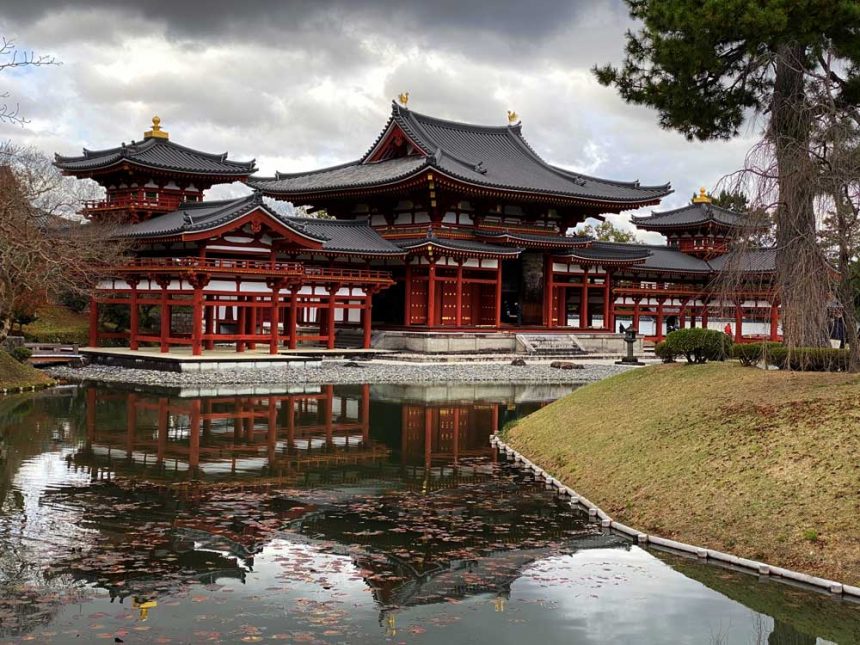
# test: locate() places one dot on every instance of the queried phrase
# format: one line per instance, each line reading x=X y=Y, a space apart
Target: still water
x=333 y=514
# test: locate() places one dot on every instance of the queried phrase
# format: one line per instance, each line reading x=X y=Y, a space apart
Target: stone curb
x=744 y=564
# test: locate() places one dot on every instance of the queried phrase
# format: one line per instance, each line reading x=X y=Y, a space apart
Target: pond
x=334 y=514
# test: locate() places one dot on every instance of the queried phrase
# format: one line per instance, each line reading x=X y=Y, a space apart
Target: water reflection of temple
x=306 y=435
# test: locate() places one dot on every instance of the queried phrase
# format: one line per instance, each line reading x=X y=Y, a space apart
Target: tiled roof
x=746 y=260
x=463 y=246
x=556 y=241
x=348 y=235
x=695 y=214
x=202 y=216
x=496 y=157
x=612 y=253
x=161 y=154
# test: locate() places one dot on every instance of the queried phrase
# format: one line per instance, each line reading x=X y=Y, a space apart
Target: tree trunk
x=845 y=290
x=801 y=269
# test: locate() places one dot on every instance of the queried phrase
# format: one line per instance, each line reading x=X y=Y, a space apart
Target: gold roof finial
x=513 y=117
x=156 y=132
x=403 y=97
x=702 y=197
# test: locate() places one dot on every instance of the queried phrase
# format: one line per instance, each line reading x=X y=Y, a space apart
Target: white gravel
x=339 y=372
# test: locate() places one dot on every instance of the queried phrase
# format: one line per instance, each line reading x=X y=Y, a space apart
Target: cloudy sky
x=299 y=85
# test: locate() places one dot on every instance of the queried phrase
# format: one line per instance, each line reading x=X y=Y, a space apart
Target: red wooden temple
x=441 y=226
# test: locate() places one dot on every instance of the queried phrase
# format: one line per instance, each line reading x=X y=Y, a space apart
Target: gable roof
x=487 y=156
x=351 y=236
x=695 y=214
x=160 y=154
x=197 y=217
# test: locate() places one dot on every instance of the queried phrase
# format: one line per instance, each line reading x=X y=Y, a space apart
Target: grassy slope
x=14 y=374
x=57 y=324
x=732 y=458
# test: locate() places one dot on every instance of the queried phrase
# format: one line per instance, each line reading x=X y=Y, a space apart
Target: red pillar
x=458 y=304
x=134 y=317
x=636 y=315
x=330 y=317
x=659 y=320
x=328 y=411
x=241 y=316
x=583 y=307
x=365 y=413
x=164 y=331
x=366 y=318
x=739 y=322
x=209 y=313
x=431 y=293
x=130 y=424
x=294 y=310
x=252 y=322
x=548 y=291
x=197 y=322
x=499 y=294
x=607 y=323
x=163 y=427
x=276 y=302
x=774 y=320
x=94 y=323
x=407 y=286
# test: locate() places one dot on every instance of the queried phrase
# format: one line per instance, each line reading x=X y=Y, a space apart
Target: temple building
x=440 y=227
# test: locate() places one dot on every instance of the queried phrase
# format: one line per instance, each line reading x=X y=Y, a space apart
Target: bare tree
x=11 y=58
x=43 y=252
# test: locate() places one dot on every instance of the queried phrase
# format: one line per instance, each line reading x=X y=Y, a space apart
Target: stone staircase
x=550 y=344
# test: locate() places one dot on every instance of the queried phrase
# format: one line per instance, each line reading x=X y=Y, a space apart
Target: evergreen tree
x=706 y=65
x=606 y=231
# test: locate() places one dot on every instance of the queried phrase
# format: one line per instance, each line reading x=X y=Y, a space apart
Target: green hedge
x=751 y=354
x=698 y=345
x=809 y=359
x=664 y=352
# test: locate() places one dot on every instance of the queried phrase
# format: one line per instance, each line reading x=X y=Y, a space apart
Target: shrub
x=750 y=354
x=664 y=352
x=699 y=345
x=21 y=354
x=809 y=359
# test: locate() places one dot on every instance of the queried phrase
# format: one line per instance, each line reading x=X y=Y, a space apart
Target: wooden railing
x=295 y=270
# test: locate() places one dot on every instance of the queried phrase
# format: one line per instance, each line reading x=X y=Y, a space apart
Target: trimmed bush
x=699 y=345
x=751 y=354
x=809 y=359
x=664 y=352
x=21 y=354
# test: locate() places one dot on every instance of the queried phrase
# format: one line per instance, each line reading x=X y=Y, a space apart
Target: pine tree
x=706 y=65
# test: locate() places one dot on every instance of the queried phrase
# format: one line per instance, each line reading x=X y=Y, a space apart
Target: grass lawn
x=14 y=374
x=57 y=324
x=764 y=465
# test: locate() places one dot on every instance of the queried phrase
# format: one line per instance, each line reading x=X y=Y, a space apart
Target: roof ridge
x=455 y=125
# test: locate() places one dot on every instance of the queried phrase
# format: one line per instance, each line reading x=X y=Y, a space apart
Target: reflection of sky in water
x=319 y=584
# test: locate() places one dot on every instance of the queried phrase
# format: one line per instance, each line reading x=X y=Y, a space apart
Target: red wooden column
x=583 y=306
x=163 y=427
x=659 y=329
x=294 y=321
x=458 y=303
x=252 y=322
x=431 y=293
x=774 y=320
x=164 y=331
x=366 y=317
x=607 y=309
x=197 y=315
x=272 y=434
x=636 y=302
x=499 y=293
x=328 y=411
x=134 y=315
x=276 y=303
x=332 y=299
x=739 y=321
x=94 y=323
x=209 y=314
x=241 y=317
x=548 y=291
x=407 y=286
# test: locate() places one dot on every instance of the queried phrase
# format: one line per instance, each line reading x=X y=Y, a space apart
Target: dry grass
x=14 y=374
x=762 y=464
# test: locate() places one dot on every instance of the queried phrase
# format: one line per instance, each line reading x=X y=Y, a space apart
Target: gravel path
x=343 y=372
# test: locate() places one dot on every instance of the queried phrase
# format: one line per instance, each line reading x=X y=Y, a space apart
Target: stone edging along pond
x=744 y=564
